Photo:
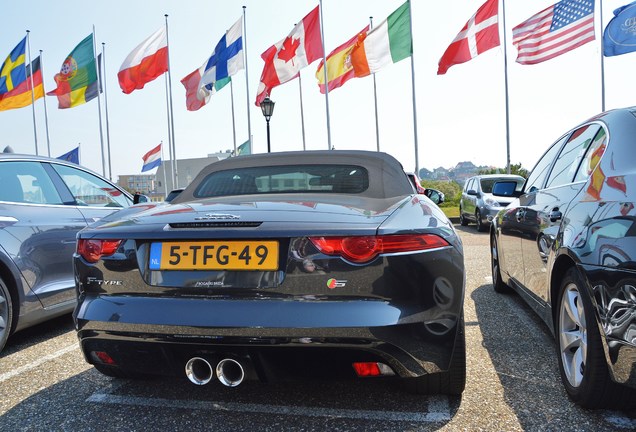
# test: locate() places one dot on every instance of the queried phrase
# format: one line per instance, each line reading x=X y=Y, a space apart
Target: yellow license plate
x=214 y=255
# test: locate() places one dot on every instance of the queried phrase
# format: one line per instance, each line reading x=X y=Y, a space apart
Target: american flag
x=563 y=26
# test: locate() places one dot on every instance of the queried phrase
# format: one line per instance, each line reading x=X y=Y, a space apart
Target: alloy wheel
x=573 y=335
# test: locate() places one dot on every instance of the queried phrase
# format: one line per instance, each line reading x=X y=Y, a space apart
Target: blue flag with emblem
x=227 y=58
x=13 y=70
x=619 y=36
x=72 y=156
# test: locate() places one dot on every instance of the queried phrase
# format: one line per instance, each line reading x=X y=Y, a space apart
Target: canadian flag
x=284 y=60
x=480 y=33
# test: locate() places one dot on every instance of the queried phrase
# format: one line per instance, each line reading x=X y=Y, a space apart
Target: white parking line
x=439 y=410
x=38 y=362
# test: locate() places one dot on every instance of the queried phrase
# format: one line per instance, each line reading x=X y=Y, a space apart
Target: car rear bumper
x=168 y=332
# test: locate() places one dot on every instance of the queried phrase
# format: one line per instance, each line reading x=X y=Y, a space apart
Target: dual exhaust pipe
x=230 y=372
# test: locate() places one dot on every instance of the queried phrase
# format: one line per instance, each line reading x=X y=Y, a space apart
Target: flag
x=478 y=35
x=339 y=68
x=72 y=156
x=13 y=70
x=77 y=80
x=197 y=96
x=619 y=36
x=152 y=159
x=20 y=96
x=284 y=59
x=556 y=30
x=227 y=58
x=145 y=63
x=244 y=149
x=387 y=43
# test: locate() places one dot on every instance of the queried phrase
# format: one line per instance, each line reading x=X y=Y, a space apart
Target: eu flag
x=72 y=156
x=619 y=36
x=13 y=70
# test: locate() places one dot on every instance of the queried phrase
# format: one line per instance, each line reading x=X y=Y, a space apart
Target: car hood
x=281 y=213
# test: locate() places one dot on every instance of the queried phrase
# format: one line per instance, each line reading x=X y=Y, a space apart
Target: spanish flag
x=339 y=68
x=20 y=96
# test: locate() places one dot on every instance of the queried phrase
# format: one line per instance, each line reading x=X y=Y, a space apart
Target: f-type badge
x=217 y=216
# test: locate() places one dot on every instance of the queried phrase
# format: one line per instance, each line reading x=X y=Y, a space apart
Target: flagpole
x=110 y=168
x=163 y=168
x=324 y=62
x=35 y=130
x=247 y=81
x=172 y=162
x=99 y=105
x=417 y=163
x=302 y=111
x=46 y=114
x=233 y=121
x=174 y=147
x=375 y=99
x=602 y=62
x=503 y=23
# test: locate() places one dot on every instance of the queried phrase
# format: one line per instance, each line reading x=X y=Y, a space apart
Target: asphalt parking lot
x=513 y=384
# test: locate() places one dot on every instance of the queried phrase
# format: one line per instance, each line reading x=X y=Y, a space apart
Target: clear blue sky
x=460 y=115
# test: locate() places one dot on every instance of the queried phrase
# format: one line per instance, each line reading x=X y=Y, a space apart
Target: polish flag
x=145 y=63
x=284 y=60
x=152 y=159
x=480 y=34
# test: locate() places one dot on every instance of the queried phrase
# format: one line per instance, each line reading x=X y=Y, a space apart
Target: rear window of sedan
x=487 y=184
x=349 y=179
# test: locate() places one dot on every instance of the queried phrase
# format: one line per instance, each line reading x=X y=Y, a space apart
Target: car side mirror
x=434 y=195
x=506 y=189
x=472 y=192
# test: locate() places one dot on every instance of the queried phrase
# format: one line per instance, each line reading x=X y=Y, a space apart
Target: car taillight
x=92 y=249
x=363 y=249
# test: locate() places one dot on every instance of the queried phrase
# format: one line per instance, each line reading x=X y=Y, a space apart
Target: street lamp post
x=267 y=106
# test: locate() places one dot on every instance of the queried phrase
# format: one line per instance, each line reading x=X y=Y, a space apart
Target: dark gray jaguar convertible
x=278 y=265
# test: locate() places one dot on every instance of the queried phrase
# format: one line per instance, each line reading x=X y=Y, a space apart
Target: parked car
x=477 y=203
x=43 y=204
x=567 y=245
x=274 y=265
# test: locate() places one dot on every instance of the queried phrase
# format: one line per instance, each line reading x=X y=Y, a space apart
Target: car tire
x=116 y=372
x=462 y=218
x=497 y=283
x=582 y=362
x=450 y=382
x=481 y=227
x=6 y=314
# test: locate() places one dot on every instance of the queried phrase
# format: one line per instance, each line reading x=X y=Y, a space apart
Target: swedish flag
x=13 y=70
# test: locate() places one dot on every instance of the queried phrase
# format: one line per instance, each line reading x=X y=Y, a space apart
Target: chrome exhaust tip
x=230 y=372
x=199 y=371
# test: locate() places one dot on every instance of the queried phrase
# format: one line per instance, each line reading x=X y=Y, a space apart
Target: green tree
x=514 y=169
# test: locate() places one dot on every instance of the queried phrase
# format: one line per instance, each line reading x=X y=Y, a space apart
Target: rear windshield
x=487 y=183
x=349 y=179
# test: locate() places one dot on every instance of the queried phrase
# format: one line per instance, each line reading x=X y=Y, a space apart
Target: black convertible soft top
x=386 y=175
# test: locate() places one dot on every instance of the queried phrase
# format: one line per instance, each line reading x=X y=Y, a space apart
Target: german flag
x=20 y=96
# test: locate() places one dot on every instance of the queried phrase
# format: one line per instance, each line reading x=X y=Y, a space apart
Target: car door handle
x=520 y=214
x=555 y=215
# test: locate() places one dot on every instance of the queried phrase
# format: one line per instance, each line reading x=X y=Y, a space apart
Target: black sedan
x=278 y=265
x=44 y=202
x=567 y=245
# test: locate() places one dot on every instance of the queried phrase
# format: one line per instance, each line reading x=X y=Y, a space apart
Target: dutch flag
x=152 y=159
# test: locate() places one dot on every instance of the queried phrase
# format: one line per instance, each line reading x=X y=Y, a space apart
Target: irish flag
x=145 y=63
x=387 y=43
